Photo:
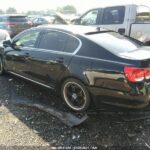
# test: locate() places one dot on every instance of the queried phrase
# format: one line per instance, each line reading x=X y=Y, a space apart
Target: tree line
x=68 y=9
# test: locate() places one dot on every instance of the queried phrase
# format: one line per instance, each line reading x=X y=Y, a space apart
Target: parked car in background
x=4 y=36
x=14 y=24
x=42 y=21
x=130 y=20
x=51 y=19
x=82 y=63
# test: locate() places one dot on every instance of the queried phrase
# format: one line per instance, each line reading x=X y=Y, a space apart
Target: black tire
x=1 y=66
x=74 y=92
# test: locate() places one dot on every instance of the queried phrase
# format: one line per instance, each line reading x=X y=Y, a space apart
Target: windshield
x=114 y=42
x=143 y=14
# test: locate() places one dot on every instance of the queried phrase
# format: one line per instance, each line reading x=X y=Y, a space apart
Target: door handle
x=60 y=60
x=26 y=54
x=122 y=30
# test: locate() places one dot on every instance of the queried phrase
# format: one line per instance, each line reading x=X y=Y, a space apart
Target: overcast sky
x=81 y=5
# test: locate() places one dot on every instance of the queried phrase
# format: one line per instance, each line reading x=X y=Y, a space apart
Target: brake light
x=137 y=74
x=11 y=24
x=30 y=23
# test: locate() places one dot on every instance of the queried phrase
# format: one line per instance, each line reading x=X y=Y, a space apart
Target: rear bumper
x=121 y=99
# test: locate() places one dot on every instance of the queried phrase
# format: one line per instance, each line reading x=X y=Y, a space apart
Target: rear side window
x=71 y=45
x=58 y=41
x=18 y=19
x=114 y=15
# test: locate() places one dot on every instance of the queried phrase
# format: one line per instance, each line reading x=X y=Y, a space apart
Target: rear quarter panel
x=108 y=74
x=77 y=69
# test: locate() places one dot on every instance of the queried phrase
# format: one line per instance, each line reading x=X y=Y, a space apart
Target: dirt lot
x=106 y=128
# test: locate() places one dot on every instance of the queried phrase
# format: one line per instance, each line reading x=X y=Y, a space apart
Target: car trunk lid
x=139 y=54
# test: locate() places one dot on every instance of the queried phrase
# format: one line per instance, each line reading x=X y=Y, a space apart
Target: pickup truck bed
x=138 y=32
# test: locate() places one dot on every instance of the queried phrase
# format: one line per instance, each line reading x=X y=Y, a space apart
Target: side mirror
x=122 y=30
x=7 y=43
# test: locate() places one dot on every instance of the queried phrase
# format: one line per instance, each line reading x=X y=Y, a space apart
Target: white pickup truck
x=131 y=20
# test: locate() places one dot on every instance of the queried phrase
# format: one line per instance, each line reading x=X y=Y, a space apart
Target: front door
x=18 y=56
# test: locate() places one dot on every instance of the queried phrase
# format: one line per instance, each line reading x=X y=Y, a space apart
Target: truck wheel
x=75 y=95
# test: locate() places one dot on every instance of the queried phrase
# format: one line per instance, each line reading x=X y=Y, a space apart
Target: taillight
x=30 y=23
x=11 y=24
x=136 y=74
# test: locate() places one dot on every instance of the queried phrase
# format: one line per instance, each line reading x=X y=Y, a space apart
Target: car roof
x=12 y=15
x=75 y=29
x=110 y=6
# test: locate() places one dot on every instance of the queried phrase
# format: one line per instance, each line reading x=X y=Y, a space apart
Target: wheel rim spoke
x=75 y=95
x=0 y=65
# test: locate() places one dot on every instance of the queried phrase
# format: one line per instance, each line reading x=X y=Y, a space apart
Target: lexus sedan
x=84 y=64
x=45 y=20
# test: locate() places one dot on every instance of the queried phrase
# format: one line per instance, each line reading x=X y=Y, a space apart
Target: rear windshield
x=17 y=19
x=114 y=42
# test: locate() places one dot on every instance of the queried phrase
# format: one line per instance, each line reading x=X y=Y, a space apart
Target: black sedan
x=84 y=64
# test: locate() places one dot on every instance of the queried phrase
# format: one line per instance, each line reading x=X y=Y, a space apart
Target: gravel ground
x=106 y=127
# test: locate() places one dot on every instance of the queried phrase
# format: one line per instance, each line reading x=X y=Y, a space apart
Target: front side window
x=58 y=41
x=114 y=15
x=27 y=40
x=143 y=14
x=90 y=18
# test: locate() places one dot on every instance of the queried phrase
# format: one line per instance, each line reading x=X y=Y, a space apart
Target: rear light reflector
x=134 y=74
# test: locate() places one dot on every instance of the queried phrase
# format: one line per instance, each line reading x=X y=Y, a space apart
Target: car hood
x=138 y=54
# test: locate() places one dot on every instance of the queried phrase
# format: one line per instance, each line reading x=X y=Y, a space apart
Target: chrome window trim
x=45 y=50
x=30 y=79
x=55 y=51
x=93 y=58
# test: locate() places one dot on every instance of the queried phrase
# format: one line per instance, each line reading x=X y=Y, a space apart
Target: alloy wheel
x=74 y=96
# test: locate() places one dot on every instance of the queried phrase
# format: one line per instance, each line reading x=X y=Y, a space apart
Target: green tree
x=68 y=9
x=1 y=11
x=11 y=10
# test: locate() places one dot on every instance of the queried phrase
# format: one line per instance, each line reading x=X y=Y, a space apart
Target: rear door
x=53 y=56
